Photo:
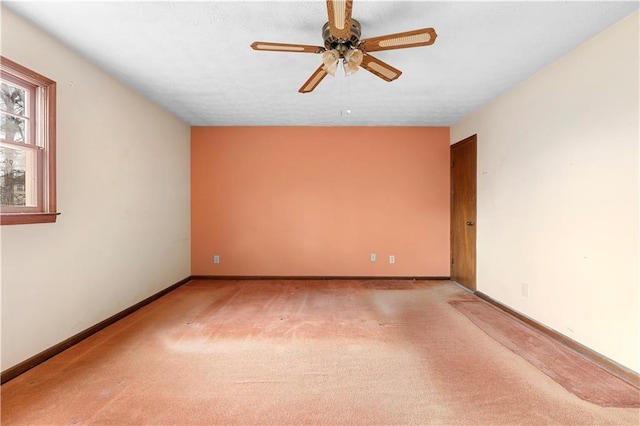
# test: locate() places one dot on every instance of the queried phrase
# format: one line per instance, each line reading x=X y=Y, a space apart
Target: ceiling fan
x=342 y=42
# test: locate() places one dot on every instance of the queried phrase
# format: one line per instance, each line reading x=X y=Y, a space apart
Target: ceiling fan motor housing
x=340 y=44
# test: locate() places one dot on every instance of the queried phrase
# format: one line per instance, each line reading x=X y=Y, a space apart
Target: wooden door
x=463 y=212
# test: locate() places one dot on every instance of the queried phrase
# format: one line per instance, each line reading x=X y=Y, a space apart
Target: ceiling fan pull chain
x=347 y=76
x=341 y=97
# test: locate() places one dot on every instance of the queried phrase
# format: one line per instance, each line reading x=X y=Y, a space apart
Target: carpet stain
x=571 y=370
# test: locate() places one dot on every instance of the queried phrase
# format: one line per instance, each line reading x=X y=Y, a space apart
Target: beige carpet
x=308 y=352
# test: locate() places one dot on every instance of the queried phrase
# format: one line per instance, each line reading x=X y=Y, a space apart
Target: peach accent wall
x=316 y=201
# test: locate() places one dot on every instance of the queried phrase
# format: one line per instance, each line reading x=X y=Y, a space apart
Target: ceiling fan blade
x=314 y=80
x=423 y=37
x=379 y=68
x=286 y=47
x=339 y=12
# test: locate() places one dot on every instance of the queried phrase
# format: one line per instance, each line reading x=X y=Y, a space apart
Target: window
x=27 y=145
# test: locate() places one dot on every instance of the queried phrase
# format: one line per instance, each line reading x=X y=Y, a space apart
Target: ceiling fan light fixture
x=341 y=34
x=352 y=60
x=330 y=59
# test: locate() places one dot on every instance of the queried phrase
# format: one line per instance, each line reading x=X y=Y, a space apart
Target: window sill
x=27 y=218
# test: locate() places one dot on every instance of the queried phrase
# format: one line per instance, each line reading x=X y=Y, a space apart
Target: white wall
x=558 y=204
x=123 y=191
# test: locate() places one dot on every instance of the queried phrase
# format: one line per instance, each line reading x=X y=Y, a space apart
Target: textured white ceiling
x=194 y=59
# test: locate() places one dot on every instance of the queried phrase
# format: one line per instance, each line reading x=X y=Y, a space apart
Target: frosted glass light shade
x=352 y=61
x=330 y=59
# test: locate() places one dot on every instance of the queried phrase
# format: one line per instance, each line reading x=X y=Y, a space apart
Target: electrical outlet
x=373 y=257
x=216 y=259
x=392 y=259
x=525 y=289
